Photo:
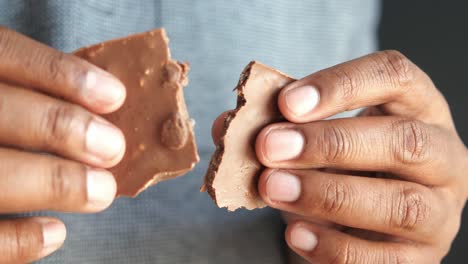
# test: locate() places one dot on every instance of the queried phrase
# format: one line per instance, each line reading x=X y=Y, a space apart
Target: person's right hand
x=49 y=103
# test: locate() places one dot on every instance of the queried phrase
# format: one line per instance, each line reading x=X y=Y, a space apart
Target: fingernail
x=53 y=235
x=104 y=141
x=103 y=88
x=302 y=100
x=283 y=187
x=101 y=188
x=283 y=144
x=303 y=239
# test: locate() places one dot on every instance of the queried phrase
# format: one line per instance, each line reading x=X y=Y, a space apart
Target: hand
x=49 y=103
x=388 y=186
x=399 y=179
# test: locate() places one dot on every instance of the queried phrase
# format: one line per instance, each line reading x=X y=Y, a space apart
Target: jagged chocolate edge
x=218 y=154
x=166 y=175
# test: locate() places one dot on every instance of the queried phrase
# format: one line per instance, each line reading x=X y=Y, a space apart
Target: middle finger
x=387 y=206
x=407 y=148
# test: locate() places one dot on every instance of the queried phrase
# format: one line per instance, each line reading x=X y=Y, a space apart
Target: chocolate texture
x=154 y=117
x=232 y=176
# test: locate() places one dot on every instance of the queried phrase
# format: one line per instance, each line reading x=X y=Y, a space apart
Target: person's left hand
x=395 y=181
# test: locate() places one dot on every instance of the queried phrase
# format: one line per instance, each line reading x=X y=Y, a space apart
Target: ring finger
x=394 y=207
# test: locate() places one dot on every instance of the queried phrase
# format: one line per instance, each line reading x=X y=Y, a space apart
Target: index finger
x=29 y=63
x=385 y=78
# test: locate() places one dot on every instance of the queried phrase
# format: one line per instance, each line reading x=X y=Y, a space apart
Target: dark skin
x=50 y=103
x=388 y=186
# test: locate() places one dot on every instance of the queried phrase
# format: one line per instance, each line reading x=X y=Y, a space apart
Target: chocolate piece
x=231 y=179
x=154 y=118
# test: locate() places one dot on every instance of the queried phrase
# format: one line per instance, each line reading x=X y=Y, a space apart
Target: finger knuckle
x=346 y=254
x=412 y=141
x=335 y=144
x=410 y=210
x=19 y=246
x=347 y=83
x=55 y=65
x=60 y=186
x=57 y=124
x=335 y=197
x=398 y=67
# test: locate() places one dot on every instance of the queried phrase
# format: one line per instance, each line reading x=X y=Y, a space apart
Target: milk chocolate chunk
x=231 y=179
x=154 y=118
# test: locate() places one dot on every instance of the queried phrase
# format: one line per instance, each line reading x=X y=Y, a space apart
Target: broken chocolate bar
x=154 y=118
x=231 y=179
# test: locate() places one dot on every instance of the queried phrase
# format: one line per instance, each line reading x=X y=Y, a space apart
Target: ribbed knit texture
x=172 y=222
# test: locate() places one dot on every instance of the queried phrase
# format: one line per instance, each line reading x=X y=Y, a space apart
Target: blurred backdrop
x=434 y=34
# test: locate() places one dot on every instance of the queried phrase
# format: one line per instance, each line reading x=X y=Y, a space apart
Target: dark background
x=434 y=34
